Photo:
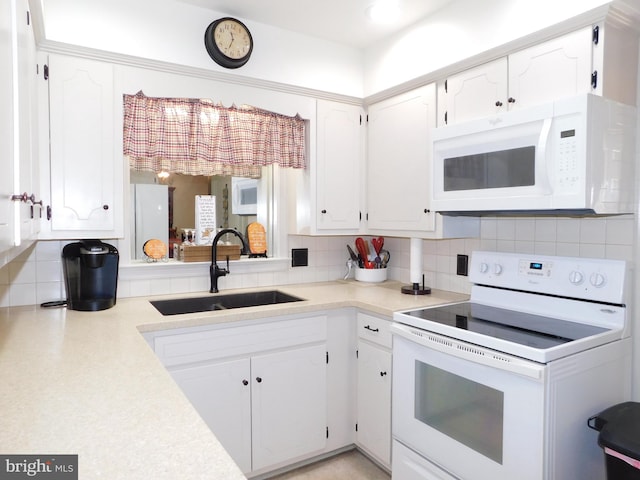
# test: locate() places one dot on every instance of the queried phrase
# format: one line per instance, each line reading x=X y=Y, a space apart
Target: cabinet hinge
x=356 y=353
x=360 y=216
x=446 y=86
x=594 y=79
x=356 y=427
x=28 y=18
x=327 y=358
x=327 y=432
x=596 y=35
x=45 y=71
x=445 y=117
x=360 y=119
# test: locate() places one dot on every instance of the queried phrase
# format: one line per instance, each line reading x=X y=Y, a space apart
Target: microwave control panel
x=567 y=168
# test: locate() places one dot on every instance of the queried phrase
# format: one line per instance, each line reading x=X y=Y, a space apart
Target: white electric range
x=502 y=386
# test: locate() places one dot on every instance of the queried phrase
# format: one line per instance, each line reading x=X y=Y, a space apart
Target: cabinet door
x=221 y=393
x=399 y=159
x=289 y=404
x=374 y=401
x=6 y=128
x=27 y=122
x=475 y=93
x=86 y=177
x=338 y=166
x=558 y=68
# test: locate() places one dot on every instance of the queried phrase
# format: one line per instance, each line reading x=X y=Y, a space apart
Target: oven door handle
x=470 y=352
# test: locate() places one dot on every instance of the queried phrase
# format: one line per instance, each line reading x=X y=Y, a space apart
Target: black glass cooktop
x=522 y=328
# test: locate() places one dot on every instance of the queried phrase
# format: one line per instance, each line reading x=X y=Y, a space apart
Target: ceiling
x=341 y=21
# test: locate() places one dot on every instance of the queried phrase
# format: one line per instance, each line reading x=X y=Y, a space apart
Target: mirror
x=164 y=207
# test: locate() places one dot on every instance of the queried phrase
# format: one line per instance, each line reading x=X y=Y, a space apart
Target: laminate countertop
x=87 y=383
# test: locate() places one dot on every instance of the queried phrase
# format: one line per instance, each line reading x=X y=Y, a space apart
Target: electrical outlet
x=462 y=267
x=299 y=257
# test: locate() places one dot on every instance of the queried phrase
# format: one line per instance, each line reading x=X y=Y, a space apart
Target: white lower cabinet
x=374 y=388
x=262 y=389
x=221 y=393
x=264 y=409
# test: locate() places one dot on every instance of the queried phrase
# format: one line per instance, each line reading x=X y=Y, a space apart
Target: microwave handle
x=543 y=168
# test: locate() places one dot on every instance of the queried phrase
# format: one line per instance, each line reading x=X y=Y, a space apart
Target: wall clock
x=228 y=42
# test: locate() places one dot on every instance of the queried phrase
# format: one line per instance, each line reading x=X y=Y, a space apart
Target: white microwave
x=575 y=154
x=244 y=196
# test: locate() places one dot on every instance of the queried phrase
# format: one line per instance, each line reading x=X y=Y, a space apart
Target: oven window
x=469 y=412
x=506 y=168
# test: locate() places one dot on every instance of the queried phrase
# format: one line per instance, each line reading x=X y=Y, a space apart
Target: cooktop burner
x=517 y=327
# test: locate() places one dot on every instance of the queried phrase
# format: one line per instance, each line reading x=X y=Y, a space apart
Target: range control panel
x=575 y=277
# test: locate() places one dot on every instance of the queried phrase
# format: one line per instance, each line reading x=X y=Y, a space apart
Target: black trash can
x=619 y=428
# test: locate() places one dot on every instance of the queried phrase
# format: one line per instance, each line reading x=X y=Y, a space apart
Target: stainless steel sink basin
x=222 y=302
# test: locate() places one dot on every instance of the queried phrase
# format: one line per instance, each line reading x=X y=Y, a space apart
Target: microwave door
x=500 y=169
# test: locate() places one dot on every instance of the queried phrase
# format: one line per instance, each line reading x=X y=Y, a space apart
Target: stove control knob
x=576 y=277
x=484 y=268
x=598 y=280
x=497 y=268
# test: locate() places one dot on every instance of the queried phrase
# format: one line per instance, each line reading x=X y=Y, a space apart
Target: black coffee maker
x=90 y=275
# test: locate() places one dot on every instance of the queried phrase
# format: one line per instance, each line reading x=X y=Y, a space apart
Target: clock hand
x=231 y=42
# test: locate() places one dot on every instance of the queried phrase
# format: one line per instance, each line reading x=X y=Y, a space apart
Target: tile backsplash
x=36 y=275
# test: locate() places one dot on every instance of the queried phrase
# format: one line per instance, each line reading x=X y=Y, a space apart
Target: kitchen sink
x=222 y=302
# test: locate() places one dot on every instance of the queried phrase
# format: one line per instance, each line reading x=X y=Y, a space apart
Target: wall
x=171 y=31
x=36 y=275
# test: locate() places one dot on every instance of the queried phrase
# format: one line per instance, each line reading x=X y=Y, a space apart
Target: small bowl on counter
x=371 y=275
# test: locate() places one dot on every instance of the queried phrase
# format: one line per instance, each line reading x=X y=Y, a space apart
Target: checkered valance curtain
x=198 y=137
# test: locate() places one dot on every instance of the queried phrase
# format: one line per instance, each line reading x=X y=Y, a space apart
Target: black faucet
x=214 y=270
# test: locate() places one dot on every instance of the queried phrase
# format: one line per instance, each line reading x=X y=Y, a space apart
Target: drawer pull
x=259 y=379
x=372 y=329
x=245 y=382
x=382 y=374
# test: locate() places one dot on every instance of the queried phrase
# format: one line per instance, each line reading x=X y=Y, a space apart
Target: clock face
x=232 y=38
x=228 y=42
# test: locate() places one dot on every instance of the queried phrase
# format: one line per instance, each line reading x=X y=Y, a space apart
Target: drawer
x=200 y=346
x=374 y=329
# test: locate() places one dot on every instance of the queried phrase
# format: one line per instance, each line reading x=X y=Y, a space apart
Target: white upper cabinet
x=28 y=178
x=7 y=225
x=473 y=93
x=19 y=212
x=398 y=162
x=86 y=173
x=399 y=170
x=554 y=69
x=338 y=168
x=601 y=60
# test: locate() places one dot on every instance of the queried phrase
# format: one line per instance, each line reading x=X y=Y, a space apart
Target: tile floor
x=351 y=465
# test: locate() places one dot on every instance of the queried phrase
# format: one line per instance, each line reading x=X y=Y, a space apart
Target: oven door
x=473 y=412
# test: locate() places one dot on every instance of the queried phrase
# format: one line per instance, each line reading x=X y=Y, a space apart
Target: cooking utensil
x=377 y=243
x=386 y=256
x=352 y=254
x=350 y=265
x=361 y=245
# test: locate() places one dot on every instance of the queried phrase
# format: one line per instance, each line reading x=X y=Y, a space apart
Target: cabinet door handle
x=498 y=103
x=245 y=382
x=259 y=379
x=105 y=207
x=382 y=374
x=323 y=211
x=372 y=329
x=511 y=100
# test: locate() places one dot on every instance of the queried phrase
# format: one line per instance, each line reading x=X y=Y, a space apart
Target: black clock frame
x=215 y=53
